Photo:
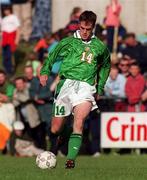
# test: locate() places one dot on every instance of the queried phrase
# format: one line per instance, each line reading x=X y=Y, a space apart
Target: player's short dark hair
x=88 y=16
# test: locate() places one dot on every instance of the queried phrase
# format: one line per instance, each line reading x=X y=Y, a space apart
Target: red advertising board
x=124 y=130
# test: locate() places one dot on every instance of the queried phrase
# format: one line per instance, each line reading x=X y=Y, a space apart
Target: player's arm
x=103 y=71
x=50 y=60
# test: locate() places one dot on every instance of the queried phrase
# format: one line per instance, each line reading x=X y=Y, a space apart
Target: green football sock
x=74 y=145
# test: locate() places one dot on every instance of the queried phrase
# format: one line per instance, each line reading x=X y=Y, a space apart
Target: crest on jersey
x=87 y=49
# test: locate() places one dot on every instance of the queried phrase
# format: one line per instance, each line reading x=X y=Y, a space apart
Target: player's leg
x=59 y=134
x=81 y=111
x=57 y=124
x=62 y=109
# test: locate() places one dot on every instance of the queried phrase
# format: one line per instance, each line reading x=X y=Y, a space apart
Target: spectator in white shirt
x=10 y=38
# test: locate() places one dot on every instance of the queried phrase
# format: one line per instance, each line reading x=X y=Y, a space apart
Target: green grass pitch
x=105 y=167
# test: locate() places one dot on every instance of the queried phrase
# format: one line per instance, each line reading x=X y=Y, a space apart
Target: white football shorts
x=70 y=93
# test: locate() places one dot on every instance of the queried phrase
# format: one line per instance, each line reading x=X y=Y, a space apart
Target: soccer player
x=83 y=73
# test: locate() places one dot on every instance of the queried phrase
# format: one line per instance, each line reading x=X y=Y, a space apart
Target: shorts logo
x=60 y=110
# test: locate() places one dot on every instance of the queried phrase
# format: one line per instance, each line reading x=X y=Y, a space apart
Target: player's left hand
x=97 y=97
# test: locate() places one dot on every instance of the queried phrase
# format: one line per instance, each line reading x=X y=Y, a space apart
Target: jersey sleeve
x=59 y=51
x=103 y=71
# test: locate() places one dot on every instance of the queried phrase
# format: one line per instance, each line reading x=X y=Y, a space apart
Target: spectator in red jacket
x=135 y=86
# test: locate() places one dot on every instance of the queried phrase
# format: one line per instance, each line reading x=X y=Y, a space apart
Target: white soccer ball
x=46 y=160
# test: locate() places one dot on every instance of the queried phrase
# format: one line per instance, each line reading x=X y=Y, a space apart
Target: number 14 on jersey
x=87 y=57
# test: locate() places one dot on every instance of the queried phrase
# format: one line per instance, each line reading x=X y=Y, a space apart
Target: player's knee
x=78 y=128
x=56 y=125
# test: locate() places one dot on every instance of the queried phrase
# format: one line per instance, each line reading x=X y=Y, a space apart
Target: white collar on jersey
x=77 y=35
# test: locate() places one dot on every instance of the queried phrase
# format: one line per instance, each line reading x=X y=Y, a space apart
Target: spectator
x=32 y=61
x=73 y=25
x=135 y=86
x=27 y=112
x=57 y=64
x=6 y=88
x=43 y=98
x=124 y=65
x=52 y=42
x=45 y=45
x=10 y=38
x=115 y=85
x=21 y=100
x=23 y=10
x=135 y=50
x=42 y=46
x=28 y=73
x=115 y=90
x=60 y=34
x=7 y=112
x=20 y=142
x=100 y=31
x=122 y=31
x=144 y=96
x=112 y=22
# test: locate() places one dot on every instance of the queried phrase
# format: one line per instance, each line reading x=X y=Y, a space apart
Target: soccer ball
x=46 y=160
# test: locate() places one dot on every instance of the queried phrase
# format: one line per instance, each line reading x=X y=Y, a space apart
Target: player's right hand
x=43 y=79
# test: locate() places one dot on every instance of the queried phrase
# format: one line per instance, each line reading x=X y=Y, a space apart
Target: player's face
x=85 y=30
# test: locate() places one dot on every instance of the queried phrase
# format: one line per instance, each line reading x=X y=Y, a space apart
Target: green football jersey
x=83 y=61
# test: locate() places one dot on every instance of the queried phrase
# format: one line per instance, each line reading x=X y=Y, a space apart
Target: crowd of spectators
x=26 y=106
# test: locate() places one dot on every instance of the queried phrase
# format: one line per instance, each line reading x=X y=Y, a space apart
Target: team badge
x=87 y=49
